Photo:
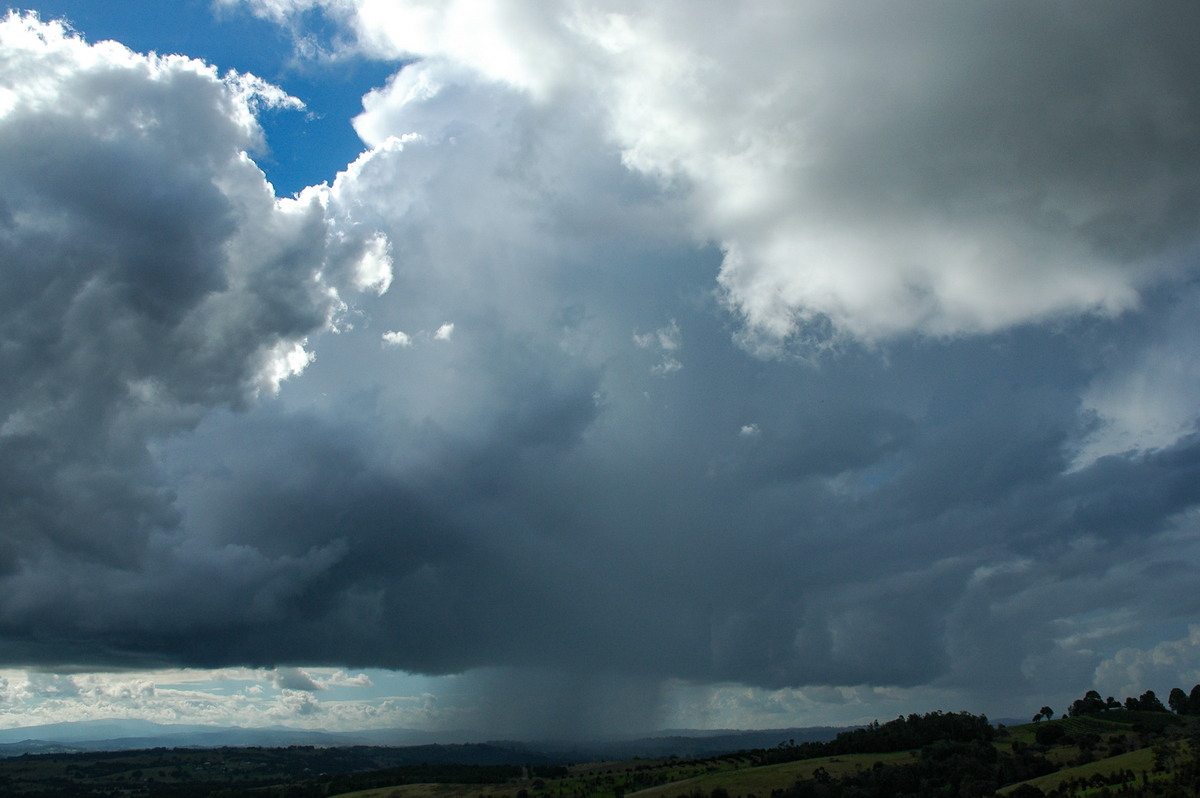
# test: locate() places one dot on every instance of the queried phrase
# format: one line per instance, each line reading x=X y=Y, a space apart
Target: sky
x=596 y=367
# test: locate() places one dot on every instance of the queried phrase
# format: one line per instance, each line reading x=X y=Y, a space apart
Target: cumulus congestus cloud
x=150 y=276
x=773 y=346
x=984 y=167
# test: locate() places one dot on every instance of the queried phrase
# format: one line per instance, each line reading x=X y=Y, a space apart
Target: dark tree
x=1027 y=791
x=1194 y=701
x=1050 y=734
x=1178 y=701
x=1090 y=703
x=1149 y=703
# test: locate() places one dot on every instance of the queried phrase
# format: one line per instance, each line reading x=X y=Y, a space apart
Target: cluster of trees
x=1125 y=782
x=901 y=734
x=973 y=769
x=1185 y=703
x=1180 y=702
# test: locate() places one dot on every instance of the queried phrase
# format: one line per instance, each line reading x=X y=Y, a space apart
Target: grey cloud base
x=573 y=474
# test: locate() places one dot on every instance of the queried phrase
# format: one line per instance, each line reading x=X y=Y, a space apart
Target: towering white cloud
x=864 y=169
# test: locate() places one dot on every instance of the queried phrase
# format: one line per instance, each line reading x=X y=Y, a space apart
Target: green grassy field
x=681 y=780
x=1109 y=738
x=1090 y=746
x=587 y=780
x=760 y=781
x=1138 y=761
x=433 y=791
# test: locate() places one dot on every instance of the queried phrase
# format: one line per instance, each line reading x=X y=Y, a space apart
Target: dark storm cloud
x=583 y=485
x=648 y=563
x=558 y=562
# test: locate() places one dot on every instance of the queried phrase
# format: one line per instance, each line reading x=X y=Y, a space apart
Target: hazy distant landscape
x=131 y=734
x=1099 y=747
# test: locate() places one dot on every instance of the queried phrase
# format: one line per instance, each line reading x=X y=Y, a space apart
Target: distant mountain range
x=132 y=734
x=123 y=735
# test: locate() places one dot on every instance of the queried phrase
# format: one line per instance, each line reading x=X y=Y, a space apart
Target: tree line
x=1180 y=703
x=901 y=734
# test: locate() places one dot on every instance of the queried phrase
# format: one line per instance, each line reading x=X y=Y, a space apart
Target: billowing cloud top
x=882 y=168
x=151 y=276
x=773 y=344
